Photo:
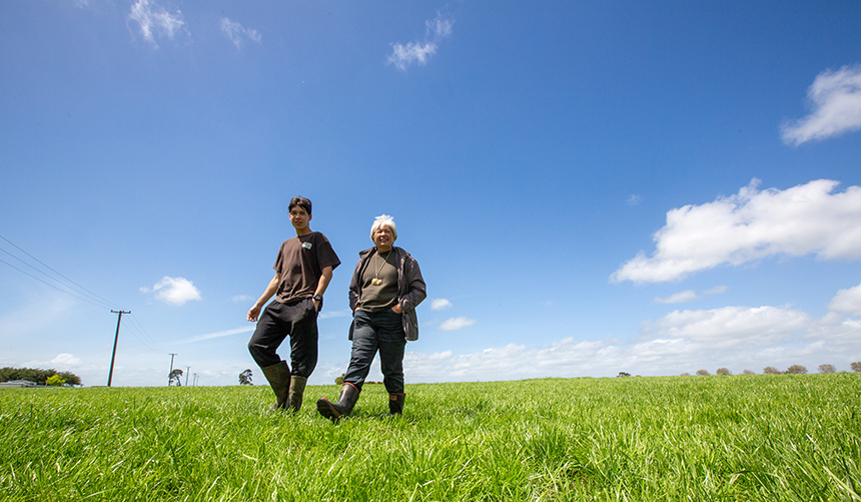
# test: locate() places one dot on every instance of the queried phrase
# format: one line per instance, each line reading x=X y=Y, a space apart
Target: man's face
x=384 y=238
x=299 y=218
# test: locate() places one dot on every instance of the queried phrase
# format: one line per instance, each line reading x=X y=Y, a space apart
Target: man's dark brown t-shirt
x=300 y=262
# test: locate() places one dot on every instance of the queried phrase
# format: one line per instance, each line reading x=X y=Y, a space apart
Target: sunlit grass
x=769 y=438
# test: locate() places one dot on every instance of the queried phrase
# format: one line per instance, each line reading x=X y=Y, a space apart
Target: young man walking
x=303 y=270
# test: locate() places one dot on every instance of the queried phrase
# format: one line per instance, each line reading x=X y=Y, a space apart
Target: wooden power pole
x=116 y=337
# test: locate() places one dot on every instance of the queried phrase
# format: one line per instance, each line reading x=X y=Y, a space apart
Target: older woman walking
x=386 y=287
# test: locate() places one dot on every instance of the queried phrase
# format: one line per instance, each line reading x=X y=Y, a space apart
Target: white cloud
x=440 y=304
x=730 y=326
x=634 y=200
x=835 y=98
x=175 y=290
x=847 y=301
x=65 y=360
x=219 y=334
x=680 y=297
x=419 y=52
x=754 y=224
x=717 y=290
x=330 y=314
x=738 y=338
x=154 y=21
x=238 y=33
x=456 y=323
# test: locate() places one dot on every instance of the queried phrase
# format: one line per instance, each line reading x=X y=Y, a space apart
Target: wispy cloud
x=331 y=314
x=175 y=290
x=634 y=200
x=805 y=219
x=440 y=304
x=155 y=21
x=456 y=323
x=65 y=360
x=680 y=297
x=419 y=52
x=238 y=34
x=218 y=334
x=241 y=298
x=835 y=99
x=717 y=290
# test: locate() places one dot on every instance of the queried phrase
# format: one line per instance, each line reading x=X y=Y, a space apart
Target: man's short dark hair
x=301 y=202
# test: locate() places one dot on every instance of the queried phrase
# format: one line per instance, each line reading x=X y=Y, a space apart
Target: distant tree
x=686 y=374
x=748 y=372
x=796 y=369
x=771 y=370
x=55 y=381
x=245 y=377
x=173 y=378
x=38 y=376
x=826 y=368
x=723 y=371
x=623 y=374
x=703 y=372
x=70 y=378
x=856 y=367
x=339 y=380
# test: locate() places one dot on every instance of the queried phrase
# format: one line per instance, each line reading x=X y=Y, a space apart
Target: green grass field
x=745 y=438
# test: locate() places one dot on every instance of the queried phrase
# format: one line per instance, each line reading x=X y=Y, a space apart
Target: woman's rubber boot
x=396 y=403
x=297 y=388
x=344 y=406
x=278 y=376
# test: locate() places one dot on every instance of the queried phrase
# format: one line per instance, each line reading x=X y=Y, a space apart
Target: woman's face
x=384 y=238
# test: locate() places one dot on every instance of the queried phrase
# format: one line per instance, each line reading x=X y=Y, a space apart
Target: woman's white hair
x=386 y=220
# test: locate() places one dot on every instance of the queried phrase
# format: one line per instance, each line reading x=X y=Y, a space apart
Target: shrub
x=723 y=371
x=702 y=372
x=796 y=369
x=748 y=372
x=826 y=368
x=55 y=381
x=856 y=366
x=771 y=370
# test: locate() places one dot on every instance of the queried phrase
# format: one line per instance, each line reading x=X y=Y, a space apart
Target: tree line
x=795 y=369
x=39 y=376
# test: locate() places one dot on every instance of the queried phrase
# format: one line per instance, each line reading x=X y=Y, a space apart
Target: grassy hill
x=746 y=437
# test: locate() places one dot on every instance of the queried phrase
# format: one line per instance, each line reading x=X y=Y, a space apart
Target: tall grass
x=769 y=438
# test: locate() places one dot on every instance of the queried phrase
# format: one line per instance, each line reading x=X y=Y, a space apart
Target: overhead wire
x=81 y=290
x=143 y=336
x=77 y=291
x=83 y=299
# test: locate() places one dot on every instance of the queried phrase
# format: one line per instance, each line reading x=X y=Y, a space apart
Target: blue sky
x=589 y=187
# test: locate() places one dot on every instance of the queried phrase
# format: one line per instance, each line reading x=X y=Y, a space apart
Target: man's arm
x=322 y=284
x=270 y=290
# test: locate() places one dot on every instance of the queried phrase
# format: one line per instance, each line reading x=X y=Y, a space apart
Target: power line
x=81 y=290
x=144 y=337
x=83 y=299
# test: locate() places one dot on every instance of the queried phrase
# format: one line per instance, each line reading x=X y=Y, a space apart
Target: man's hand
x=397 y=309
x=253 y=314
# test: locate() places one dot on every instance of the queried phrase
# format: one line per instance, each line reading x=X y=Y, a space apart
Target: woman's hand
x=397 y=309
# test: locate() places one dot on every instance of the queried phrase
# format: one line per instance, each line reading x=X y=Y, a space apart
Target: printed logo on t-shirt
x=306 y=245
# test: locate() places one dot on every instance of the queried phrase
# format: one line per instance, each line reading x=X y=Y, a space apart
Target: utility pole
x=169 y=373
x=116 y=336
x=186 y=375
